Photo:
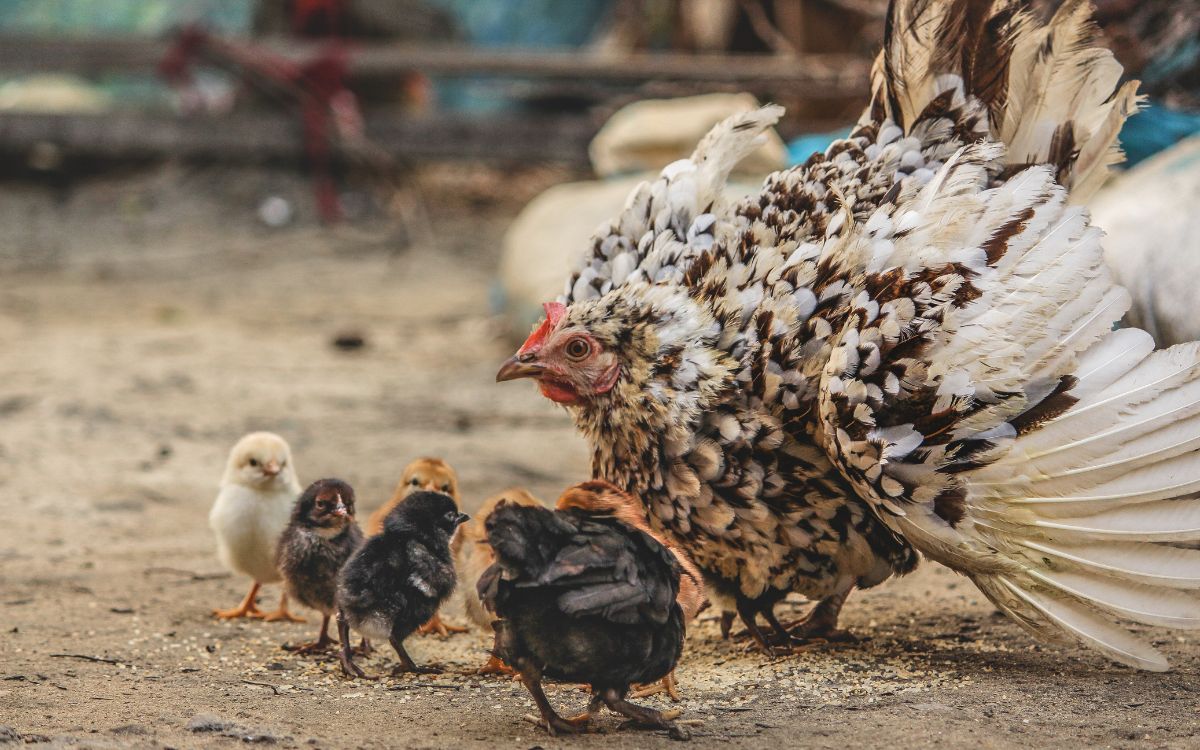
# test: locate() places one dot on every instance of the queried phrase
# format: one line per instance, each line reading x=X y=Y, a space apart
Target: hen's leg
x=322 y=643
x=821 y=621
x=349 y=668
x=748 y=610
x=406 y=662
x=282 y=614
x=553 y=723
x=248 y=607
x=727 y=619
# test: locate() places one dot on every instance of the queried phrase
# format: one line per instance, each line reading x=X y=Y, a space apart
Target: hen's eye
x=578 y=348
x=254 y=462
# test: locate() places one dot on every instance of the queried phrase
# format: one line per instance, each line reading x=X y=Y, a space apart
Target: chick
x=431 y=474
x=583 y=597
x=316 y=544
x=251 y=511
x=473 y=555
x=399 y=578
x=602 y=497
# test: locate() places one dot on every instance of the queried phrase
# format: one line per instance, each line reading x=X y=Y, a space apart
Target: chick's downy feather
x=582 y=597
x=254 y=505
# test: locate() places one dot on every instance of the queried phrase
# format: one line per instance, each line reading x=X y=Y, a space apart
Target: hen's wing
x=666 y=223
x=978 y=396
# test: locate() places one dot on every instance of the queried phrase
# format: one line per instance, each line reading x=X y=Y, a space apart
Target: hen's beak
x=516 y=368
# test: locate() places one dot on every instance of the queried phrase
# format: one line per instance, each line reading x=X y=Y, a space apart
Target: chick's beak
x=340 y=511
x=462 y=518
x=271 y=468
x=519 y=367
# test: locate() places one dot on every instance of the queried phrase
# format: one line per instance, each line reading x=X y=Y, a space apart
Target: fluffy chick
x=251 y=511
x=431 y=474
x=583 y=597
x=399 y=578
x=473 y=555
x=601 y=497
x=316 y=544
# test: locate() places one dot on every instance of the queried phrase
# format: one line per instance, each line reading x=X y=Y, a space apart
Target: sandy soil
x=136 y=351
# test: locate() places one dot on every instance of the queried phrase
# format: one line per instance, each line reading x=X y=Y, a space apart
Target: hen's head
x=570 y=359
x=616 y=346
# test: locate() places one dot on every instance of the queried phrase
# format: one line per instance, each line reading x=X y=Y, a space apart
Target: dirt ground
x=143 y=332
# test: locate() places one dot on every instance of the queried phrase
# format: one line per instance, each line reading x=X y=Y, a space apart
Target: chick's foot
x=248 y=607
x=442 y=628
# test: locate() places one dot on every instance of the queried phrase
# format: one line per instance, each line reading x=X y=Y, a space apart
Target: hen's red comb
x=554 y=313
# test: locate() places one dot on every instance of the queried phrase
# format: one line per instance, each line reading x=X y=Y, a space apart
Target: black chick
x=318 y=540
x=583 y=598
x=398 y=578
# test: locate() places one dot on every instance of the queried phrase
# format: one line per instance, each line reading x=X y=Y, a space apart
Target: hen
x=904 y=344
x=583 y=597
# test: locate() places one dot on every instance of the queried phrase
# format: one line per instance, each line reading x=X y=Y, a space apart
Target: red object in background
x=319 y=18
x=328 y=108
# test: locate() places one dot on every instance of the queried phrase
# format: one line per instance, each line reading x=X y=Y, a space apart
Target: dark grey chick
x=317 y=542
x=398 y=579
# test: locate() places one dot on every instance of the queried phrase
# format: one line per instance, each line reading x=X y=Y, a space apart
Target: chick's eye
x=578 y=348
x=415 y=482
x=254 y=462
x=446 y=488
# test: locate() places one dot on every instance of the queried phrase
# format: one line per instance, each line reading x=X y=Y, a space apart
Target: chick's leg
x=406 y=662
x=248 y=607
x=665 y=685
x=349 y=668
x=282 y=614
x=494 y=666
x=552 y=722
x=437 y=625
x=322 y=643
x=644 y=717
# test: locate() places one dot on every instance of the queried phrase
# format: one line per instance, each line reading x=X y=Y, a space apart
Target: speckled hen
x=904 y=344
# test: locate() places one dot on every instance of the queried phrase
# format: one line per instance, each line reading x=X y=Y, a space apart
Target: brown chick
x=431 y=474
x=600 y=496
x=473 y=555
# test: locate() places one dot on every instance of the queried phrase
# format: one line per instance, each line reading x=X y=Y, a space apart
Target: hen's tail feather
x=1088 y=508
x=1049 y=92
